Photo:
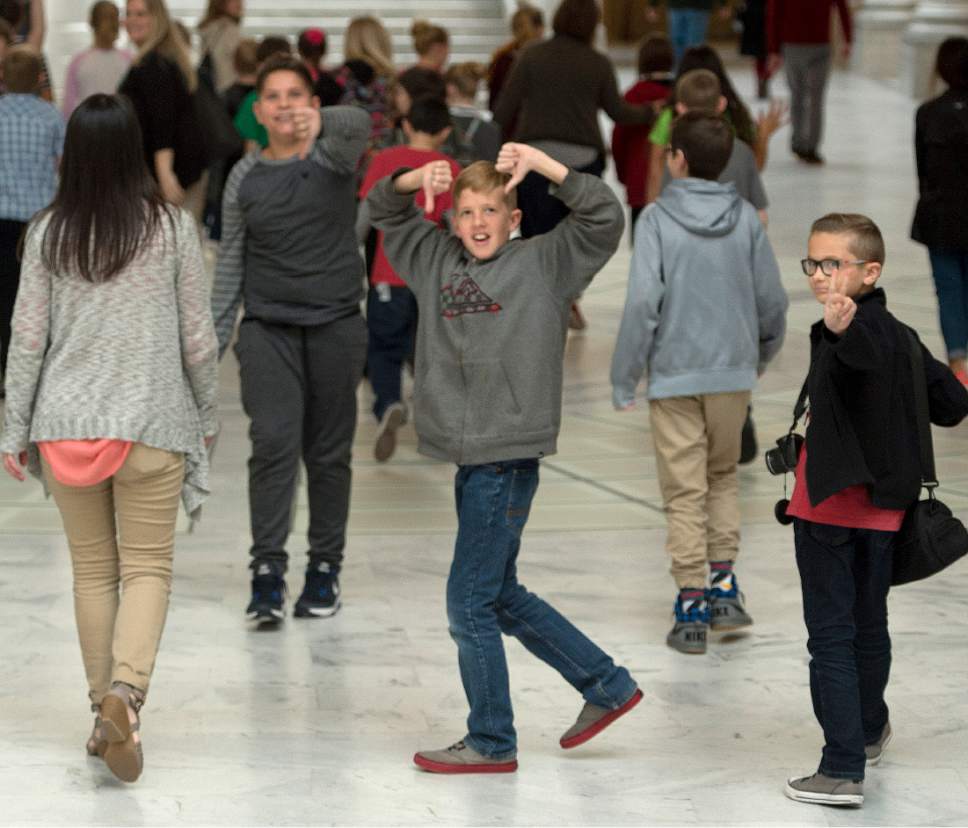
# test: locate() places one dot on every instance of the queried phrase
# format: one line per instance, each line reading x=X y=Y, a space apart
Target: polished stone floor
x=316 y=723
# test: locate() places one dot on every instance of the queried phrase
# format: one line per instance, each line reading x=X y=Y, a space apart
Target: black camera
x=783 y=458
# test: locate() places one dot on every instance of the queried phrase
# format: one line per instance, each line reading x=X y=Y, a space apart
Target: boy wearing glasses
x=859 y=471
x=705 y=313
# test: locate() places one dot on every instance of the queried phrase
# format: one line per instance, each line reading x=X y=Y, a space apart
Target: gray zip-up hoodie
x=492 y=332
x=705 y=310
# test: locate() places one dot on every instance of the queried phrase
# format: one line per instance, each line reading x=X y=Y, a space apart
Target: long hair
x=168 y=42
x=107 y=206
x=215 y=11
x=705 y=57
x=366 y=39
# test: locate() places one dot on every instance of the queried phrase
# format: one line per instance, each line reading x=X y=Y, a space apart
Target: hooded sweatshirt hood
x=706 y=208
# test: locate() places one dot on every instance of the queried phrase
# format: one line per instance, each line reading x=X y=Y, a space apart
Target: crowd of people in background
x=403 y=190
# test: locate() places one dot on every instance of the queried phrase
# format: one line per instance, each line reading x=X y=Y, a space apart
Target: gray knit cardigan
x=133 y=358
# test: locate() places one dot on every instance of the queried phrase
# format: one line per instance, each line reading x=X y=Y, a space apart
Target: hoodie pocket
x=494 y=408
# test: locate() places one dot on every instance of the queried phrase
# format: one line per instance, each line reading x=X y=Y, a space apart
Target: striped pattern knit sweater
x=133 y=358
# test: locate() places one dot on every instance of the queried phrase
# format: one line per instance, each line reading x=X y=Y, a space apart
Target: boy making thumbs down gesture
x=491 y=336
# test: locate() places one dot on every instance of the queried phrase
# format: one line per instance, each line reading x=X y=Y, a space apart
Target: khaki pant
x=697 y=445
x=122 y=531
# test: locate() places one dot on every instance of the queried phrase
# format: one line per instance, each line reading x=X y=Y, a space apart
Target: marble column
x=932 y=22
x=879 y=28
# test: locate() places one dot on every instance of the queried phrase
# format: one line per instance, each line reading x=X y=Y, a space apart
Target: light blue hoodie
x=705 y=309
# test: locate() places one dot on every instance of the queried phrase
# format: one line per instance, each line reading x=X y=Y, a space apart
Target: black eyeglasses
x=827 y=266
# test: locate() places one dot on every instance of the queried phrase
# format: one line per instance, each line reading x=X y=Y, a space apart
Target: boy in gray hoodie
x=490 y=341
x=705 y=313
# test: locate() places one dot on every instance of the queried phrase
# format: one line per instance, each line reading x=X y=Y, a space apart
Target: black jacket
x=941 y=149
x=863 y=425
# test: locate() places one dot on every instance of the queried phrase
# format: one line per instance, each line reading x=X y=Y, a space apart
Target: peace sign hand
x=839 y=309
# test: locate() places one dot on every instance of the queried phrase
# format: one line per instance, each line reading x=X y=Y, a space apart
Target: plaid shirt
x=31 y=141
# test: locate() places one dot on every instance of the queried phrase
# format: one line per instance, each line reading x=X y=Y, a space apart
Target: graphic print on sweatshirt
x=466 y=297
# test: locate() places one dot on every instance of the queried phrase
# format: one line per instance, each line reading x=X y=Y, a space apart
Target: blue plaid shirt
x=31 y=141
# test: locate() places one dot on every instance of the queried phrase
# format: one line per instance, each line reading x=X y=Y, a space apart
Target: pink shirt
x=84 y=462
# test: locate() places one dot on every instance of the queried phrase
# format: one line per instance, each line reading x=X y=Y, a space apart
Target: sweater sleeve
x=512 y=95
x=583 y=243
x=230 y=266
x=158 y=85
x=947 y=397
x=643 y=303
x=346 y=130
x=771 y=298
x=199 y=345
x=30 y=332
x=615 y=106
x=414 y=246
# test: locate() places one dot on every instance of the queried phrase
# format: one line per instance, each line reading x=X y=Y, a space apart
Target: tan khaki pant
x=697 y=445
x=122 y=531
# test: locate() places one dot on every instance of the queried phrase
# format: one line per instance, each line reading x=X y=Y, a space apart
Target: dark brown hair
x=866 y=241
x=22 y=68
x=426 y=35
x=245 y=58
x=311 y=44
x=99 y=9
x=577 y=19
x=952 y=62
x=107 y=206
x=283 y=63
x=705 y=140
x=272 y=45
x=216 y=11
x=655 y=55
x=419 y=82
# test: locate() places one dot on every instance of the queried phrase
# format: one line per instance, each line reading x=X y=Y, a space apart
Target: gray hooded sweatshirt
x=492 y=332
x=705 y=310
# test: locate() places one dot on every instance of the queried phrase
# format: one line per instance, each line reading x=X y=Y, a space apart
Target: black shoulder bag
x=931 y=538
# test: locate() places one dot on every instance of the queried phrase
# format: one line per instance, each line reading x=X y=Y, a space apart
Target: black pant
x=299 y=391
x=846 y=575
x=10 y=233
x=392 y=327
x=541 y=211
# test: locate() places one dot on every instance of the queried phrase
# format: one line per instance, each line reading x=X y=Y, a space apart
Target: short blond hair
x=483 y=177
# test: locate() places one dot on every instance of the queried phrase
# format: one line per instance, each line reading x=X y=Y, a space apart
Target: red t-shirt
x=630 y=143
x=384 y=163
x=850 y=507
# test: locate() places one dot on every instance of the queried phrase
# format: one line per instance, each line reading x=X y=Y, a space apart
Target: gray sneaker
x=825 y=790
x=727 y=605
x=875 y=751
x=461 y=758
x=593 y=719
x=688 y=637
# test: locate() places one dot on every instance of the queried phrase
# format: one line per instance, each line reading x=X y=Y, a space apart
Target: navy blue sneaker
x=727 y=610
x=320 y=595
x=688 y=634
x=268 y=596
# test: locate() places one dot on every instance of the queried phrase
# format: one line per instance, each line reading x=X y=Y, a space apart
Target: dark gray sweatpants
x=807 y=70
x=299 y=391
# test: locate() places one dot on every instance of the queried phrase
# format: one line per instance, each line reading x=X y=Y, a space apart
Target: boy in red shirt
x=391 y=310
x=630 y=142
x=860 y=469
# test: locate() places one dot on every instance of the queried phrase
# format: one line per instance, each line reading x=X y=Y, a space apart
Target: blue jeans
x=687 y=27
x=392 y=327
x=845 y=575
x=484 y=599
x=950 y=271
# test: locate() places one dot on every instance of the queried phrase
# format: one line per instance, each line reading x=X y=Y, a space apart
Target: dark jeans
x=392 y=327
x=484 y=599
x=10 y=233
x=950 y=271
x=299 y=391
x=845 y=575
x=541 y=212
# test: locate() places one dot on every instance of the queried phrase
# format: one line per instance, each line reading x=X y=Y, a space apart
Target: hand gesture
x=771 y=119
x=307 y=123
x=14 y=464
x=839 y=309
x=516 y=160
x=436 y=179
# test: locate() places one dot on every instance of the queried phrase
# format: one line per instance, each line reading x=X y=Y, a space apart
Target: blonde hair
x=426 y=35
x=483 y=177
x=216 y=11
x=466 y=77
x=367 y=40
x=168 y=42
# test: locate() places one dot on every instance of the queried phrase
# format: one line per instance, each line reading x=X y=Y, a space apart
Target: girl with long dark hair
x=111 y=393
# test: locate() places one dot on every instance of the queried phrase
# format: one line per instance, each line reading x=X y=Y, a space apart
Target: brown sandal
x=119 y=728
x=96 y=744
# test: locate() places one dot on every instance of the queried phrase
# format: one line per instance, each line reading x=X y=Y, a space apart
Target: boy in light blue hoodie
x=705 y=313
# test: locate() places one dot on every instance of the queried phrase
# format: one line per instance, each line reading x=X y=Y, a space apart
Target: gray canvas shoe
x=825 y=790
x=875 y=751
x=593 y=719
x=461 y=758
x=688 y=637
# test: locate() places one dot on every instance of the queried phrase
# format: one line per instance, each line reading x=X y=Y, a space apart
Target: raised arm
x=345 y=132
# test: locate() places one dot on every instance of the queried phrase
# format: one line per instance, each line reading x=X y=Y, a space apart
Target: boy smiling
x=490 y=343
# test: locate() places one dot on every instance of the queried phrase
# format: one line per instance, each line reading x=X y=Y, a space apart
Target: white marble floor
x=316 y=723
